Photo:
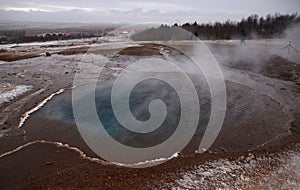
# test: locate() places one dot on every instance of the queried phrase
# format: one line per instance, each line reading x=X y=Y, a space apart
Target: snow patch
x=164 y=52
x=9 y=92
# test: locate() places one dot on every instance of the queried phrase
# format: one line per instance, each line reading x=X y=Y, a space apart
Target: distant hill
x=20 y=32
x=271 y=26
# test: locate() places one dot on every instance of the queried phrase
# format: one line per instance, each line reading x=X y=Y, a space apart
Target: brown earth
x=48 y=166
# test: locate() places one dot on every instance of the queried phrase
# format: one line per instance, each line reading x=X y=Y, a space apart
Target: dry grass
x=73 y=51
x=149 y=49
x=15 y=56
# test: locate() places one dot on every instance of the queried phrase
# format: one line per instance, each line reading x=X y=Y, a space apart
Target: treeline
x=9 y=37
x=271 y=26
x=163 y=33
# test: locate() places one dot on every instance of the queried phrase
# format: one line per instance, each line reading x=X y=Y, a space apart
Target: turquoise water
x=60 y=109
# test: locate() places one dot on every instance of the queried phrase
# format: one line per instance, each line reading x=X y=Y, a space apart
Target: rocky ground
x=257 y=146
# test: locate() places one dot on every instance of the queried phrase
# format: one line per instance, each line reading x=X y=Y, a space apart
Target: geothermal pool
x=261 y=116
x=255 y=119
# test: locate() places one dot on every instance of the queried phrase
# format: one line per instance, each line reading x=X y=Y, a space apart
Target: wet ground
x=258 y=140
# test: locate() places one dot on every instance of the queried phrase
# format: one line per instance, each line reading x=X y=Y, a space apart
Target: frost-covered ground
x=8 y=91
x=275 y=171
x=61 y=43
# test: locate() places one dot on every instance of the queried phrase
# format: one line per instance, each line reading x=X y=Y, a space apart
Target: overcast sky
x=132 y=11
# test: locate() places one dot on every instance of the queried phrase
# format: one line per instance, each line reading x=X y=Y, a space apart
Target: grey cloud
x=140 y=10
